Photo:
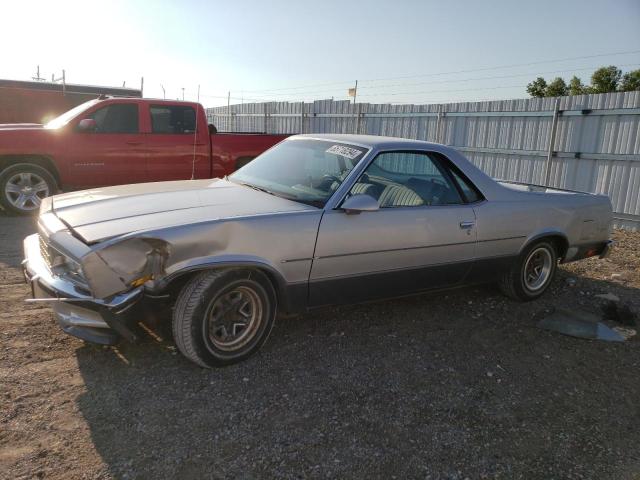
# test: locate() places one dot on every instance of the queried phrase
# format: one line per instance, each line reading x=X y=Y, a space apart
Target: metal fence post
x=264 y=129
x=302 y=117
x=358 y=119
x=552 y=142
x=438 y=120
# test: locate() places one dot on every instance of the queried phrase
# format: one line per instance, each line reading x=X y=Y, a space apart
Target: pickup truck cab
x=112 y=141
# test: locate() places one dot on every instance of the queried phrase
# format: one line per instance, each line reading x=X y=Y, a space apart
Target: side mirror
x=87 y=125
x=360 y=202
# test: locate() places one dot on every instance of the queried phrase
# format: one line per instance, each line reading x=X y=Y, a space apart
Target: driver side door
x=423 y=236
x=113 y=154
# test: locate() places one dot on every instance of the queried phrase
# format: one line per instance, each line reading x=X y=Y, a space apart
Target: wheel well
x=559 y=242
x=177 y=283
x=40 y=160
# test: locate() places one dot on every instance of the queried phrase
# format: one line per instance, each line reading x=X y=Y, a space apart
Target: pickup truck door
x=111 y=154
x=423 y=236
x=175 y=151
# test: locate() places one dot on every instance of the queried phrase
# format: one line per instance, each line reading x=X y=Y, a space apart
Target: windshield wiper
x=260 y=189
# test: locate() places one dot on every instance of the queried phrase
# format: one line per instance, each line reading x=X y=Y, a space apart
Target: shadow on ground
x=449 y=386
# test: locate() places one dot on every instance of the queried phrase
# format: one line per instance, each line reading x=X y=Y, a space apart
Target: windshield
x=67 y=116
x=307 y=171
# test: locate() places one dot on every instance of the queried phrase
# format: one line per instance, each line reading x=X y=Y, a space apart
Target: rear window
x=172 y=119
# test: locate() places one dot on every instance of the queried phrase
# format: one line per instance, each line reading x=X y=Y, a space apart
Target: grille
x=45 y=251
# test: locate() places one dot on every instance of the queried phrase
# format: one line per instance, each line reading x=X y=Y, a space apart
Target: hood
x=20 y=126
x=103 y=213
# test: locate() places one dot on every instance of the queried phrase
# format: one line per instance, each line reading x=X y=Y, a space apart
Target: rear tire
x=532 y=273
x=222 y=317
x=23 y=186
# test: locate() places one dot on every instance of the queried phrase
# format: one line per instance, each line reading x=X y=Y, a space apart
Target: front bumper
x=102 y=321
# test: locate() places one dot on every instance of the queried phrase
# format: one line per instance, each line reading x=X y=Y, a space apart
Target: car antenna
x=195 y=139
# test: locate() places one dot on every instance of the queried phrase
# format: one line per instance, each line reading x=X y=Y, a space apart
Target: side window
x=469 y=191
x=407 y=179
x=117 y=118
x=172 y=119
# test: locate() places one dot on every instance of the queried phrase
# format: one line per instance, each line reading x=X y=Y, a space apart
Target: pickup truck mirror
x=360 y=202
x=87 y=125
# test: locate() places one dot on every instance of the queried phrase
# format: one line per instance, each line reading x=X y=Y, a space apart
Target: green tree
x=630 y=81
x=576 y=87
x=605 y=79
x=537 y=88
x=557 y=88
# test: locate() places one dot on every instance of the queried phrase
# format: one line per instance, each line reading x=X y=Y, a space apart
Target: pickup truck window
x=117 y=118
x=172 y=119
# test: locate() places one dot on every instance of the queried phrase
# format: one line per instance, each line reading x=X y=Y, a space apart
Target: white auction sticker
x=343 y=151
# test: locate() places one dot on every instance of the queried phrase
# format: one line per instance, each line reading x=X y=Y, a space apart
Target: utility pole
x=198 y=93
x=183 y=93
x=38 y=78
x=355 y=92
x=164 y=96
x=141 y=87
x=64 y=82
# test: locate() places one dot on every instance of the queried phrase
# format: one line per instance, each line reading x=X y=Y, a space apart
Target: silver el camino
x=316 y=220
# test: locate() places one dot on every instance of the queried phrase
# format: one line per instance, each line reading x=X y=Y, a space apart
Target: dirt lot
x=458 y=385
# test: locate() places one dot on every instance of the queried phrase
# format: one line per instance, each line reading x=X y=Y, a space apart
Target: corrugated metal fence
x=589 y=143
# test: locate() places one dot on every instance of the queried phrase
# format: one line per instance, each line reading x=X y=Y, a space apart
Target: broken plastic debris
x=581 y=324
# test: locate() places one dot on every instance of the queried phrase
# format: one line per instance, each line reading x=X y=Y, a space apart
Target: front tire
x=532 y=274
x=224 y=316
x=23 y=186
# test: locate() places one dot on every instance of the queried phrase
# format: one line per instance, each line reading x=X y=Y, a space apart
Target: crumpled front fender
x=113 y=269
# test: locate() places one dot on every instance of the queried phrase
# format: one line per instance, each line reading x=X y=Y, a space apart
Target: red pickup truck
x=111 y=141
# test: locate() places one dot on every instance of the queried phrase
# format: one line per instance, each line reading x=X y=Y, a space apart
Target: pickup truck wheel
x=222 y=317
x=532 y=274
x=23 y=186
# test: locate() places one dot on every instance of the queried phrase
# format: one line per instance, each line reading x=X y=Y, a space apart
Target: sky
x=400 y=51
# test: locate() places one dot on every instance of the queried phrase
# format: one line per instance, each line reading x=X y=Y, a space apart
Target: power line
x=453 y=72
x=507 y=66
x=441 y=91
x=494 y=77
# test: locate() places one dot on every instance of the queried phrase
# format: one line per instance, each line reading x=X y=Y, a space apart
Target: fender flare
x=554 y=235
x=291 y=297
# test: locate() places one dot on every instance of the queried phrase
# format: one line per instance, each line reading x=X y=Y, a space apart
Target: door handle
x=467 y=225
x=133 y=142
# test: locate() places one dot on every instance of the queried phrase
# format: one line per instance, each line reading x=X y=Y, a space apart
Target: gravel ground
x=456 y=385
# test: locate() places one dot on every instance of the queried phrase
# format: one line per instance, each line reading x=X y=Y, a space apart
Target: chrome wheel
x=537 y=269
x=25 y=190
x=234 y=318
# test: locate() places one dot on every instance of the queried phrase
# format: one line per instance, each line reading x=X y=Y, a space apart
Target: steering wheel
x=328 y=176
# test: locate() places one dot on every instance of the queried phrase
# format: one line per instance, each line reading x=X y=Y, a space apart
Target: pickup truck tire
x=223 y=316
x=23 y=186
x=530 y=276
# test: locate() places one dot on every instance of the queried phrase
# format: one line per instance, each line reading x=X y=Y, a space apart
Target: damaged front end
x=96 y=294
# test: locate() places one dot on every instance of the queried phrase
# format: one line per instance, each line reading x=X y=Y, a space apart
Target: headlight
x=65 y=266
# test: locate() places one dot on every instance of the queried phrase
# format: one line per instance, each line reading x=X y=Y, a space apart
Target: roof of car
x=372 y=141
